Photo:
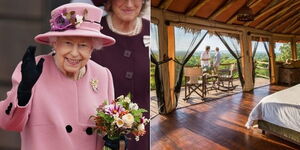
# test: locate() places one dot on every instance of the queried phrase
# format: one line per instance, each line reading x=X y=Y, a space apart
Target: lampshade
x=245 y=14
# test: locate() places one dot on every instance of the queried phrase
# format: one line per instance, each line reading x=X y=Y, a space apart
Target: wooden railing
x=262 y=69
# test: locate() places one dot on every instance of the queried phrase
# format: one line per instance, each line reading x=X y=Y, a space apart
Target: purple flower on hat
x=64 y=20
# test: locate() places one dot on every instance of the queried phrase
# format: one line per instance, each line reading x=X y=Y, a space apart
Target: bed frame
x=284 y=133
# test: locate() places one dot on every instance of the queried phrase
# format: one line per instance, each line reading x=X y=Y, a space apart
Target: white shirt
x=217 y=60
x=205 y=55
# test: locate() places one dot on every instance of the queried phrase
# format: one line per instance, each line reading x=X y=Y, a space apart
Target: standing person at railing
x=205 y=59
x=217 y=60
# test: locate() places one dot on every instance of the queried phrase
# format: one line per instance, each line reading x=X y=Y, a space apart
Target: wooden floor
x=196 y=99
x=215 y=125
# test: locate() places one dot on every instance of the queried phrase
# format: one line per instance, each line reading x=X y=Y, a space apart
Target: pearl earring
x=53 y=52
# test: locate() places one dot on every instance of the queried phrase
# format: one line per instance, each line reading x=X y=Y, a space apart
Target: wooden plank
x=281 y=19
x=262 y=68
x=266 y=12
x=227 y=5
x=195 y=9
x=218 y=124
x=292 y=26
x=296 y=30
x=286 y=23
x=279 y=13
x=165 y=4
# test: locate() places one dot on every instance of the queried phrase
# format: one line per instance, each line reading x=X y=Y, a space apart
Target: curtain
x=254 y=49
x=233 y=46
x=185 y=38
x=157 y=77
x=266 y=45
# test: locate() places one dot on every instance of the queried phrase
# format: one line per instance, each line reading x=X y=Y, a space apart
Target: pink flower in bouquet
x=114 y=109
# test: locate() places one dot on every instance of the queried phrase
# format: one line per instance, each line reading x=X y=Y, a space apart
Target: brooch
x=94 y=85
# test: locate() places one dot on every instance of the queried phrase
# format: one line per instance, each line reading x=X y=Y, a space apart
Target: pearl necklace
x=137 y=29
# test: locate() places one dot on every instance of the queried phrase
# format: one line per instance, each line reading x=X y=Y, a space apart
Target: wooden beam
x=266 y=12
x=246 y=53
x=282 y=18
x=204 y=27
x=286 y=22
x=274 y=73
x=195 y=9
x=294 y=48
x=165 y=4
x=171 y=104
x=165 y=51
x=269 y=19
x=295 y=23
x=234 y=17
x=221 y=10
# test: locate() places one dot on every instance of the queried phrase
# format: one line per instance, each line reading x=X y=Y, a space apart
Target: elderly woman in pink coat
x=51 y=101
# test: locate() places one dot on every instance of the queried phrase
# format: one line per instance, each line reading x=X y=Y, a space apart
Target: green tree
x=285 y=52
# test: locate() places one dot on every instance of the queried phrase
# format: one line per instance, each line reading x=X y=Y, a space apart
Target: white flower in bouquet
x=121 y=97
x=133 y=106
x=141 y=127
x=127 y=100
x=119 y=122
x=128 y=120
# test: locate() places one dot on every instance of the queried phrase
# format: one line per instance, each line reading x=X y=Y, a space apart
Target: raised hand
x=30 y=74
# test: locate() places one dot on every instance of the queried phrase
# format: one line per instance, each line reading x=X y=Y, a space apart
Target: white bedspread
x=281 y=108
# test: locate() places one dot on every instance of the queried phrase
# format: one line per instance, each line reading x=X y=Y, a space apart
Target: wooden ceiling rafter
x=181 y=18
x=277 y=6
x=195 y=9
x=285 y=23
x=165 y=4
x=295 y=23
x=276 y=16
x=297 y=30
x=234 y=17
x=272 y=17
x=271 y=4
x=221 y=9
x=279 y=20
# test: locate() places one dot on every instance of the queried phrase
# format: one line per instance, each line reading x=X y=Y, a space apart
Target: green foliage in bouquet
x=119 y=118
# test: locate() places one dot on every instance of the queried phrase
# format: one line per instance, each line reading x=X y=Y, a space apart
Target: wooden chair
x=225 y=77
x=192 y=82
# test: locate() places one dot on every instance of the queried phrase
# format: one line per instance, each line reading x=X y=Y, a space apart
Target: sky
x=183 y=40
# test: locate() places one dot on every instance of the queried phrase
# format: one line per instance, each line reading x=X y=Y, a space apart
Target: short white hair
x=96 y=43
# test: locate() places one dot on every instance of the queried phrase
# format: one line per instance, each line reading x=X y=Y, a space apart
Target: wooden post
x=274 y=73
x=294 y=48
x=166 y=50
x=171 y=105
x=246 y=52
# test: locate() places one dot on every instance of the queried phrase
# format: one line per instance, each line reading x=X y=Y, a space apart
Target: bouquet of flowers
x=119 y=118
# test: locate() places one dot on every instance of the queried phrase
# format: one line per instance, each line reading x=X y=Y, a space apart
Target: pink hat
x=76 y=19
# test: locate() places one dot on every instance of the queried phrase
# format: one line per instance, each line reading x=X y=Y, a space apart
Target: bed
x=279 y=114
